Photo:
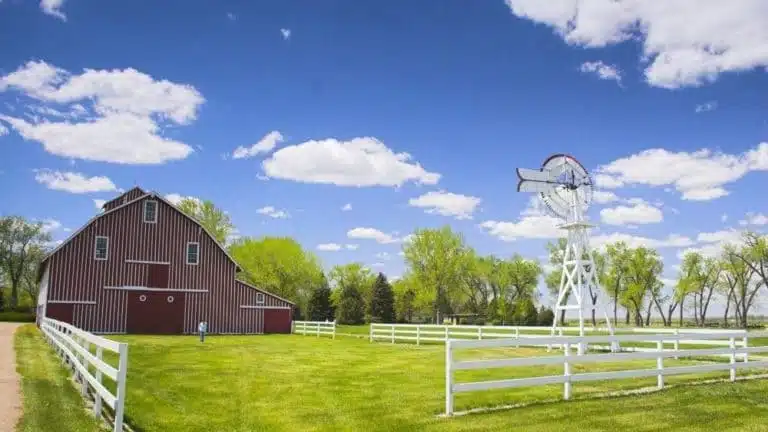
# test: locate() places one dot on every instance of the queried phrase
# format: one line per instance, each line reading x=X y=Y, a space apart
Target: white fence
x=568 y=360
x=316 y=328
x=74 y=346
x=535 y=336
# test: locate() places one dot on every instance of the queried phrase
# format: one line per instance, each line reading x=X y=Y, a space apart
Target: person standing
x=202 y=328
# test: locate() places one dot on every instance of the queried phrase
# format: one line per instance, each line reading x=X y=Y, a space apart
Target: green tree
x=320 y=307
x=279 y=265
x=554 y=278
x=405 y=298
x=438 y=259
x=213 y=219
x=22 y=246
x=740 y=281
x=700 y=276
x=382 y=306
x=545 y=316
x=617 y=256
x=351 y=307
x=644 y=267
x=525 y=312
x=351 y=275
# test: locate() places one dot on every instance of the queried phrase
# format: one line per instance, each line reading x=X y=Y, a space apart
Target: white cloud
x=705 y=107
x=3 y=130
x=357 y=162
x=447 y=204
x=130 y=108
x=638 y=213
x=51 y=225
x=264 y=145
x=175 y=198
x=347 y=207
x=699 y=176
x=286 y=33
x=754 y=219
x=371 y=234
x=273 y=212
x=384 y=256
x=604 y=197
x=602 y=70
x=351 y=246
x=74 y=182
x=711 y=243
x=672 y=240
x=377 y=264
x=99 y=203
x=329 y=247
x=534 y=223
x=719 y=36
x=53 y=8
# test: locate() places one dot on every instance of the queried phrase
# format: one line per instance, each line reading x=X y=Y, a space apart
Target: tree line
x=447 y=278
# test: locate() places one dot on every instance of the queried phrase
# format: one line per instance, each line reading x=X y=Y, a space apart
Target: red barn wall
x=211 y=291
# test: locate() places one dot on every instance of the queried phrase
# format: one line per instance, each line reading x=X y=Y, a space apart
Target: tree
x=351 y=275
x=351 y=307
x=21 y=249
x=525 y=313
x=644 y=267
x=405 y=298
x=279 y=265
x=213 y=219
x=438 y=259
x=700 y=279
x=382 y=307
x=755 y=254
x=554 y=278
x=545 y=317
x=320 y=307
x=617 y=255
x=741 y=281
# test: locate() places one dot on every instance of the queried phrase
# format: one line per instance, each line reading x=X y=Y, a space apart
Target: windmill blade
x=534 y=175
x=535 y=186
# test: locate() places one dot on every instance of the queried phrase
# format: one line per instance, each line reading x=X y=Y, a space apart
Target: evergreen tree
x=546 y=316
x=351 y=307
x=382 y=307
x=320 y=308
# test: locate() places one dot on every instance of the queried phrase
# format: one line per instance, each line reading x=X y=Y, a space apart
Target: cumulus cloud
x=74 y=182
x=53 y=8
x=50 y=225
x=286 y=33
x=129 y=109
x=638 y=213
x=604 y=197
x=710 y=244
x=719 y=36
x=371 y=234
x=99 y=203
x=273 y=212
x=347 y=207
x=175 y=198
x=358 y=162
x=754 y=219
x=447 y=204
x=698 y=176
x=672 y=240
x=602 y=71
x=264 y=145
x=329 y=247
x=351 y=246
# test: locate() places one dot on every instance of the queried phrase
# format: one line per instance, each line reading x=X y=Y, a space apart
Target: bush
x=14 y=316
x=546 y=317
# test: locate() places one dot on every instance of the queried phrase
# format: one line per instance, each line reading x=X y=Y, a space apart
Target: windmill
x=565 y=188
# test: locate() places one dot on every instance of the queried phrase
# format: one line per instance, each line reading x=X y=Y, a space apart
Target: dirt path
x=10 y=390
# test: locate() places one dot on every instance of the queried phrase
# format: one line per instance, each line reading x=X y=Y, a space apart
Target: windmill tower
x=565 y=188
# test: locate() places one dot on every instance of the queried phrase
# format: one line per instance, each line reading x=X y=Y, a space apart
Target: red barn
x=143 y=266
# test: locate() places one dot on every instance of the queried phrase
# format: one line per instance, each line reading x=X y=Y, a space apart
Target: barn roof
x=126 y=193
x=100 y=215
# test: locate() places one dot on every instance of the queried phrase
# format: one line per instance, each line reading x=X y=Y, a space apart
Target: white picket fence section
x=567 y=359
x=317 y=328
x=533 y=336
x=74 y=346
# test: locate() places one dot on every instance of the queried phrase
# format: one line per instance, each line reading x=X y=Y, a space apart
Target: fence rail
x=568 y=360
x=537 y=336
x=74 y=346
x=316 y=328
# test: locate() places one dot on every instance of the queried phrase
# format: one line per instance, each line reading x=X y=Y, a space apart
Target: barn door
x=277 y=320
x=155 y=312
x=157 y=275
x=64 y=312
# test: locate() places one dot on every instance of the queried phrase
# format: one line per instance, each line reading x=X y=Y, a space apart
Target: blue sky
x=414 y=113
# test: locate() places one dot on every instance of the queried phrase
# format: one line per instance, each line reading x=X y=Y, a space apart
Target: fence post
x=745 y=344
x=479 y=333
x=120 y=394
x=370 y=333
x=317 y=329
x=96 y=396
x=393 y=333
x=448 y=378
x=660 y=365
x=732 y=344
x=334 y=329
x=517 y=337
x=87 y=347
x=446 y=332
x=677 y=341
x=418 y=335
x=567 y=371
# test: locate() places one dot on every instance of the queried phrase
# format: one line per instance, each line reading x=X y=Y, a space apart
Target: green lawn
x=292 y=383
x=50 y=400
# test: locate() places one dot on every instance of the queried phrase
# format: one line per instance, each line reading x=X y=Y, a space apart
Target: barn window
x=260 y=298
x=150 y=211
x=193 y=253
x=102 y=248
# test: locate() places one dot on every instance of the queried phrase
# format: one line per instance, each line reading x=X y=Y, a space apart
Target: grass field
x=290 y=383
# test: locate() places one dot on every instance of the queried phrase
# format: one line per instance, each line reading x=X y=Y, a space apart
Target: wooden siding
x=75 y=276
x=129 y=196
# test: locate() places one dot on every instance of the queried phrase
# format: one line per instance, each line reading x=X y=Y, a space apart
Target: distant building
x=143 y=266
